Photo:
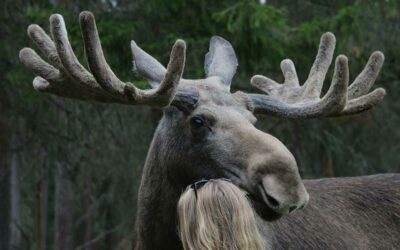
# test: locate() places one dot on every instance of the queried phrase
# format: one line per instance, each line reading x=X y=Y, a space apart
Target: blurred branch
x=98 y=238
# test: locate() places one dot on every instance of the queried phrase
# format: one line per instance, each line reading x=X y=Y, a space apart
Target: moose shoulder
x=208 y=132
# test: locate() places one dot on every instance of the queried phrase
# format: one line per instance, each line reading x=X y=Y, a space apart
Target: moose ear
x=147 y=66
x=221 y=60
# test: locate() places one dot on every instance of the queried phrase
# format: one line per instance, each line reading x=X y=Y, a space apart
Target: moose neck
x=156 y=221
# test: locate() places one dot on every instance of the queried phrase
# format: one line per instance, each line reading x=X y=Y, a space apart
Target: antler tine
x=363 y=103
x=37 y=65
x=161 y=96
x=165 y=92
x=268 y=85
x=95 y=57
x=48 y=79
x=44 y=42
x=289 y=73
x=47 y=73
x=67 y=56
x=291 y=100
x=315 y=80
x=264 y=83
x=364 y=81
x=335 y=99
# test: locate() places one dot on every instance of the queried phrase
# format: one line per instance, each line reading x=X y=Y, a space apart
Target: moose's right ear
x=221 y=60
x=147 y=66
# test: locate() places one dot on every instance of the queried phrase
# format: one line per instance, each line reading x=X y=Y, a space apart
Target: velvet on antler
x=290 y=100
x=66 y=77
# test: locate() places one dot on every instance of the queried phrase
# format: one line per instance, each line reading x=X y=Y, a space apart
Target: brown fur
x=343 y=213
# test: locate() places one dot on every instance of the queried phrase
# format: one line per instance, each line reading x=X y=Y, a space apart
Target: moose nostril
x=292 y=208
x=272 y=201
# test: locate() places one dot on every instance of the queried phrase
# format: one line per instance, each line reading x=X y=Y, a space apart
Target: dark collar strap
x=198 y=184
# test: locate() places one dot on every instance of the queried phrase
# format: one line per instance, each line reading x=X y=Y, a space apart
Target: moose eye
x=197 y=122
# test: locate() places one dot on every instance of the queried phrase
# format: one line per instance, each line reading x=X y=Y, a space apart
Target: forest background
x=69 y=171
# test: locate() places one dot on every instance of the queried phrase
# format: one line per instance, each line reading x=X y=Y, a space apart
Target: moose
x=208 y=132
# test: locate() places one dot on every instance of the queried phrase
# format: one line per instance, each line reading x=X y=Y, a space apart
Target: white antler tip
x=25 y=52
x=342 y=59
x=86 y=16
x=40 y=84
x=263 y=83
x=378 y=56
x=180 y=44
x=287 y=63
x=328 y=36
x=256 y=79
x=381 y=92
x=56 y=18
x=32 y=29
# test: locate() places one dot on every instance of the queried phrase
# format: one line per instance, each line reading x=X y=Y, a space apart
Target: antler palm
x=294 y=101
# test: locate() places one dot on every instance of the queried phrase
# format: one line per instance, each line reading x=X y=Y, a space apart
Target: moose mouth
x=262 y=208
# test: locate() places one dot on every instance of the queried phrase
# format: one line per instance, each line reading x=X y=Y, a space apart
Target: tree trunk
x=88 y=207
x=296 y=142
x=63 y=217
x=4 y=195
x=4 y=205
x=63 y=209
x=14 y=187
x=42 y=203
x=328 y=168
x=108 y=239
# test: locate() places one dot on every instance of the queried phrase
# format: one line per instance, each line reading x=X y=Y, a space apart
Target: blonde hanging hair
x=217 y=216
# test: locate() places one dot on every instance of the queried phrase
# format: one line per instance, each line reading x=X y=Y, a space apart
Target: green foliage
x=256 y=31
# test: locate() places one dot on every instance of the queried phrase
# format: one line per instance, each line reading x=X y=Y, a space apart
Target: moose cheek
x=200 y=134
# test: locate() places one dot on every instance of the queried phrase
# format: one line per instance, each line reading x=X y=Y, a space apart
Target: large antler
x=66 y=77
x=291 y=100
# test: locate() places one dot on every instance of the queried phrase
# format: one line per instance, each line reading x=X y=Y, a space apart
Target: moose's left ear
x=221 y=60
x=147 y=66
